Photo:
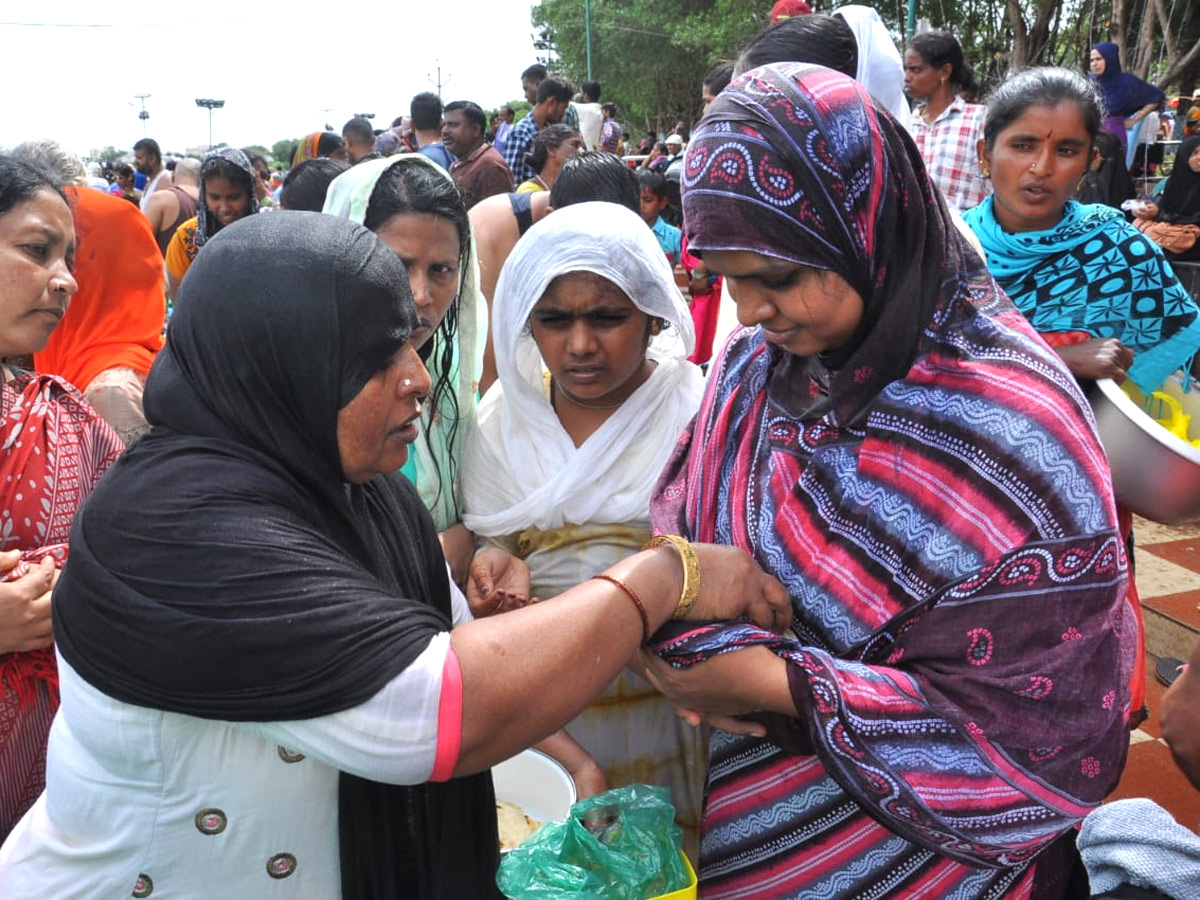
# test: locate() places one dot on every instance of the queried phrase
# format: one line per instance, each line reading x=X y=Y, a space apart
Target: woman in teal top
x=417 y=211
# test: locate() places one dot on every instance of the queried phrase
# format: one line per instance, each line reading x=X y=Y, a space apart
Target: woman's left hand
x=720 y=688
x=498 y=582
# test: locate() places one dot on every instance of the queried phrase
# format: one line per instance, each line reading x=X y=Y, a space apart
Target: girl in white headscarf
x=591 y=338
x=412 y=204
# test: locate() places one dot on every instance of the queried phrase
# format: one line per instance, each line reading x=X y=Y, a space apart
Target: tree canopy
x=650 y=55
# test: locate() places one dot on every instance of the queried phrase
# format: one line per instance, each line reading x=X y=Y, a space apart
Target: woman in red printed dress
x=53 y=450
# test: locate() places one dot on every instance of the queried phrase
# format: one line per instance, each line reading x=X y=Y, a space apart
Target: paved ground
x=1168 y=577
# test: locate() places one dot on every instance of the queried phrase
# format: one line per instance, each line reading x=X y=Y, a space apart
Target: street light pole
x=143 y=115
x=587 y=28
x=210 y=105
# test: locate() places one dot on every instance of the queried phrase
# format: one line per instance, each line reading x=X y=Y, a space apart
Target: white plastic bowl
x=1155 y=473
x=536 y=783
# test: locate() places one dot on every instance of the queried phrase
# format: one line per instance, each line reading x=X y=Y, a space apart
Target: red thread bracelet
x=637 y=601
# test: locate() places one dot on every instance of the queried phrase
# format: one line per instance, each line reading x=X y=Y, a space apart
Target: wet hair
x=549 y=138
x=940 y=47
x=650 y=180
x=596 y=175
x=20 y=182
x=472 y=112
x=718 y=77
x=360 y=129
x=590 y=90
x=555 y=87
x=1041 y=87
x=149 y=146
x=816 y=38
x=306 y=185
x=535 y=72
x=220 y=167
x=423 y=190
x=426 y=111
x=62 y=165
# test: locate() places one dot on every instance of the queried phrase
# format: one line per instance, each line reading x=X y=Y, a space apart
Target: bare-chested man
x=171 y=207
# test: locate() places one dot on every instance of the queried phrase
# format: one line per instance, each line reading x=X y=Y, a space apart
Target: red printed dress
x=54 y=450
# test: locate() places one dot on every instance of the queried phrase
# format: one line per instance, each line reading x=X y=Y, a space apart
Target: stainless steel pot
x=1155 y=473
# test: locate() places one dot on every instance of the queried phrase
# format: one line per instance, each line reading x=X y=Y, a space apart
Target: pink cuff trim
x=450 y=712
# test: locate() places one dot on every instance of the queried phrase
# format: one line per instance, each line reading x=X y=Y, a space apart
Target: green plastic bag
x=619 y=845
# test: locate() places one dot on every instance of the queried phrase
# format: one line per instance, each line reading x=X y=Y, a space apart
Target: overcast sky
x=277 y=73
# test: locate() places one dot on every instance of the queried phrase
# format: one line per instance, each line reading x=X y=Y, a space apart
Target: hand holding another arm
x=732 y=586
x=566 y=650
x=725 y=687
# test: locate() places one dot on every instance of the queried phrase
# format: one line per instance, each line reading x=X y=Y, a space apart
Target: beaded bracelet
x=637 y=601
x=691 y=570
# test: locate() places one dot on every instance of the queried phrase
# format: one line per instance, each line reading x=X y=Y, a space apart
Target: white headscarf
x=521 y=468
x=347 y=198
x=880 y=66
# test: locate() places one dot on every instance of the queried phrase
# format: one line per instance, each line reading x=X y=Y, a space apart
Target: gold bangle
x=691 y=570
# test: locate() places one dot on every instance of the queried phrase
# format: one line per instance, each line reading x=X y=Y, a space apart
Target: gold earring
x=987 y=173
x=656 y=326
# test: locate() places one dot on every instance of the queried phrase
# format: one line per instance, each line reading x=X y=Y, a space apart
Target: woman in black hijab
x=1107 y=180
x=1173 y=221
x=258 y=679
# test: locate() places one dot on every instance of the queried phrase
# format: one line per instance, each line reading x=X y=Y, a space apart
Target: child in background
x=653 y=192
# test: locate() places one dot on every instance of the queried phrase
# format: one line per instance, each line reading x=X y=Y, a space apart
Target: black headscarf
x=225 y=570
x=1110 y=184
x=1180 y=201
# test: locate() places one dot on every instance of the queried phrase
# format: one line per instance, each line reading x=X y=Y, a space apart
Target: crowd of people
x=446 y=450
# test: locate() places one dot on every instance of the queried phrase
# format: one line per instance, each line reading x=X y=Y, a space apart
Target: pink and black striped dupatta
x=935 y=499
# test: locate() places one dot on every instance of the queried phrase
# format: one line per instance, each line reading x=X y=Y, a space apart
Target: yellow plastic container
x=684 y=893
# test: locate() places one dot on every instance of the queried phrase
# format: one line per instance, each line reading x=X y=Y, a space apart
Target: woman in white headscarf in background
x=591 y=338
x=880 y=66
x=417 y=211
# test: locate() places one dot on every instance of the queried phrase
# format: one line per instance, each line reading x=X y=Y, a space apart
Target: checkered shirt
x=948 y=147
x=519 y=142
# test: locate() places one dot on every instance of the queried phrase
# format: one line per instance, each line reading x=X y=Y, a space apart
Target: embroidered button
x=211 y=821
x=281 y=865
x=143 y=887
x=289 y=756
